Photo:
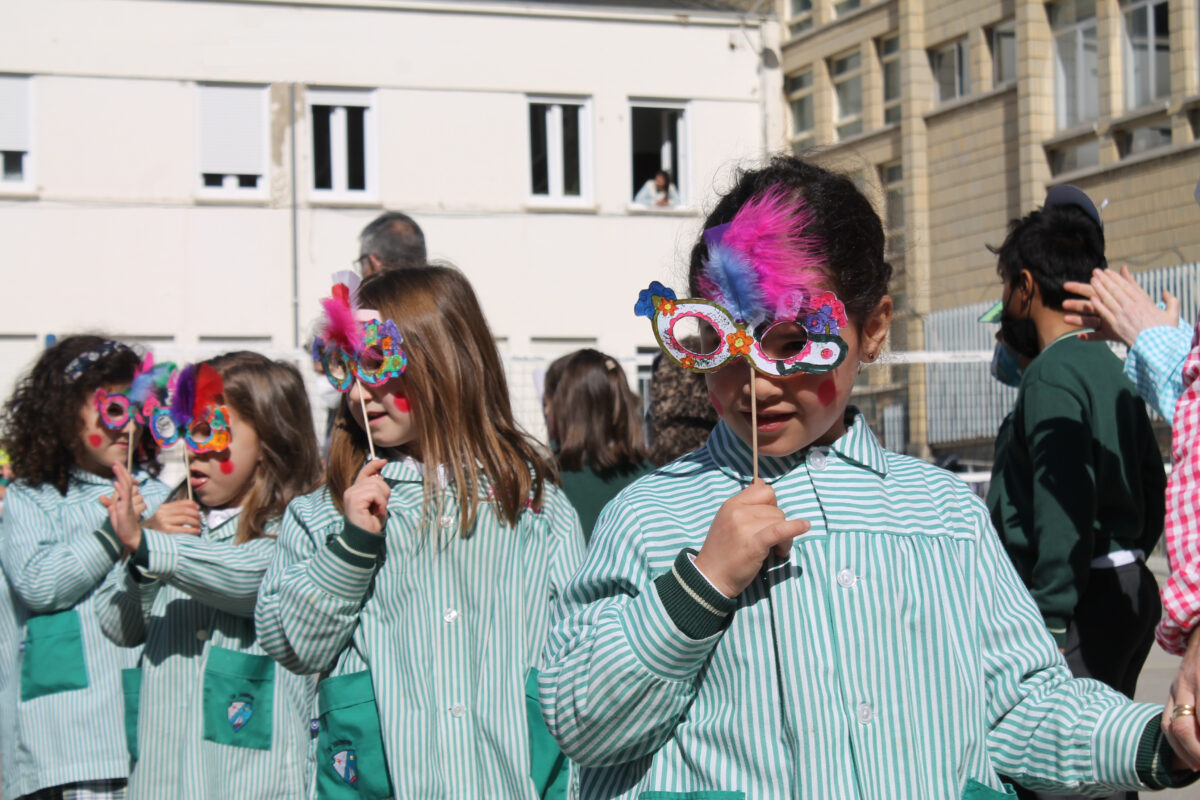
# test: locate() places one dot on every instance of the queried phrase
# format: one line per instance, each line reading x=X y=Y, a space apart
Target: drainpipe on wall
x=295 y=222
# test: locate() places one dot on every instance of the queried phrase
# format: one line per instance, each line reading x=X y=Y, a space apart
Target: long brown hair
x=270 y=397
x=596 y=416
x=459 y=397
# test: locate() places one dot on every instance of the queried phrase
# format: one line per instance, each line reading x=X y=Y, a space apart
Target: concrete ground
x=1155 y=681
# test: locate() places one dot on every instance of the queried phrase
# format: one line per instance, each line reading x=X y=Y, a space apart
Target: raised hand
x=1117 y=307
x=747 y=528
x=366 y=500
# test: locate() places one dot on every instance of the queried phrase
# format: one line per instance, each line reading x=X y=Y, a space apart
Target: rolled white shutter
x=233 y=136
x=14 y=113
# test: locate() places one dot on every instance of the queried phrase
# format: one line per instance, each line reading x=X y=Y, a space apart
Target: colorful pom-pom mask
x=763 y=279
x=195 y=413
x=354 y=343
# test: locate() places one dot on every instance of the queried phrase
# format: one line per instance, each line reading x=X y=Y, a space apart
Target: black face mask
x=1019 y=334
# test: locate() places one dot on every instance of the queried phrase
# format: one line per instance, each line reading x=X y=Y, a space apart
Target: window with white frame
x=1147 y=42
x=800 y=101
x=233 y=139
x=891 y=176
x=16 y=165
x=889 y=64
x=800 y=16
x=1004 y=53
x=1076 y=75
x=659 y=144
x=343 y=142
x=846 y=73
x=951 y=65
x=560 y=147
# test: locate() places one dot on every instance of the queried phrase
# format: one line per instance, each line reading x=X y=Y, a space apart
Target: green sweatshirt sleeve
x=1060 y=442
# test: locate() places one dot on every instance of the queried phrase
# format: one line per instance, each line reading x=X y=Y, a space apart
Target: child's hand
x=180 y=516
x=748 y=527
x=366 y=500
x=125 y=508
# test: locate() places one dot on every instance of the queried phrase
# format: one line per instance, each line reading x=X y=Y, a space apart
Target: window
x=846 y=72
x=1147 y=42
x=659 y=144
x=560 y=150
x=343 y=142
x=1076 y=80
x=951 y=70
x=233 y=139
x=891 y=176
x=16 y=168
x=889 y=63
x=1073 y=156
x=843 y=7
x=801 y=16
x=1146 y=137
x=1004 y=53
x=800 y=99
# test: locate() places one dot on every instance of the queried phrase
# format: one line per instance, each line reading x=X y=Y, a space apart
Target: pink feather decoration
x=341 y=328
x=770 y=231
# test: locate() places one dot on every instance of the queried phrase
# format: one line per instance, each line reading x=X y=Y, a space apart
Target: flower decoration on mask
x=763 y=296
x=354 y=343
x=196 y=409
x=148 y=386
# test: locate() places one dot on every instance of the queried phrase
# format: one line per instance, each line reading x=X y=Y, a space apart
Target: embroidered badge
x=240 y=711
x=345 y=762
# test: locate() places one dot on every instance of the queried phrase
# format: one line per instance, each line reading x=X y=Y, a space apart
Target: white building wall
x=114 y=237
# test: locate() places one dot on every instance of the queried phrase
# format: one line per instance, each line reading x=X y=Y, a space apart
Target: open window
x=343 y=143
x=659 y=155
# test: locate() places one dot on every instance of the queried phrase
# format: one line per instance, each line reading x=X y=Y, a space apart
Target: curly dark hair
x=41 y=423
x=842 y=217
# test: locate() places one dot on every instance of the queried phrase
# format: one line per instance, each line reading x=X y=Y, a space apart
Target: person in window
x=393 y=240
x=658 y=192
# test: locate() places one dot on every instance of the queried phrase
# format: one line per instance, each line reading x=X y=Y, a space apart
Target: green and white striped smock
x=449 y=627
x=197 y=593
x=895 y=654
x=54 y=558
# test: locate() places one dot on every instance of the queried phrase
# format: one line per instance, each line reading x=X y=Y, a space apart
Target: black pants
x=1110 y=637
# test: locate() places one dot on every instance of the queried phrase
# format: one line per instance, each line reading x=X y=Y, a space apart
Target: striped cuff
x=1154 y=758
x=108 y=539
x=345 y=566
x=1057 y=628
x=694 y=604
x=1118 y=733
x=157 y=553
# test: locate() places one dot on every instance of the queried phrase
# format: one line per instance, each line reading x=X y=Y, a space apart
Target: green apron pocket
x=131 y=685
x=692 y=796
x=239 y=698
x=350 y=760
x=53 y=659
x=975 y=790
x=548 y=767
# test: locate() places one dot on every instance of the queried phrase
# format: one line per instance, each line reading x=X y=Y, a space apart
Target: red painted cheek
x=227 y=467
x=827 y=392
x=402 y=404
x=95 y=439
x=712 y=398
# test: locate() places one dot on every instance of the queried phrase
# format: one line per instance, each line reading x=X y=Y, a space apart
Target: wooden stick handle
x=366 y=423
x=753 y=420
x=187 y=472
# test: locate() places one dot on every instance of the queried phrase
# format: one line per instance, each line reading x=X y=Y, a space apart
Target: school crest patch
x=240 y=710
x=345 y=764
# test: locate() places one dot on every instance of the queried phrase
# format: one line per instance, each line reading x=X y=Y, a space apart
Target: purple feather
x=184 y=397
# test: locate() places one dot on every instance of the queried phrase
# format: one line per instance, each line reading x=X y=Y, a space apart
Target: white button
x=458 y=709
x=203 y=634
x=817 y=459
x=865 y=713
x=447 y=521
x=846 y=578
x=450 y=614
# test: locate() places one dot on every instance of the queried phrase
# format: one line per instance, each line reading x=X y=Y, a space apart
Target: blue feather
x=734 y=283
x=147 y=382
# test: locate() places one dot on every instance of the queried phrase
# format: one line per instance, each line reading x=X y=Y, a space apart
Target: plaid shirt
x=1181 y=594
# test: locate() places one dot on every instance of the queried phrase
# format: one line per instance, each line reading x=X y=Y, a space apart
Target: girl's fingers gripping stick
x=366 y=499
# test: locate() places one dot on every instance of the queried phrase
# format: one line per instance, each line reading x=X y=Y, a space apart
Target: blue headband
x=85 y=361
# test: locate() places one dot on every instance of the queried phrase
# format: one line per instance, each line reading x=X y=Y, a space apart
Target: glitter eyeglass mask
x=764 y=299
x=378 y=358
